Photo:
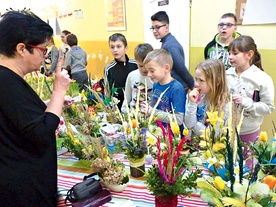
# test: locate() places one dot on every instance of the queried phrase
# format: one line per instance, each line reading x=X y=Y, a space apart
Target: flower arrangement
x=170 y=177
x=264 y=151
x=79 y=128
x=138 y=129
x=230 y=182
x=135 y=147
x=77 y=143
x=41 y=84
x=218 y=151
x=110 y=171
x=101 y=94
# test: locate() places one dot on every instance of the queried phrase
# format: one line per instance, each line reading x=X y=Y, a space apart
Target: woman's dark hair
x=22 y=27
x=244 y=44
x=72 y=40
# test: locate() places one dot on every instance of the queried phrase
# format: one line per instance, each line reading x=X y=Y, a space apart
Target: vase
x=137 y=167
x=166 y=201
x=115 y=187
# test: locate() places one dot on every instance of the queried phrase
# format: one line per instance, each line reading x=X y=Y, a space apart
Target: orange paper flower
x=270 y=180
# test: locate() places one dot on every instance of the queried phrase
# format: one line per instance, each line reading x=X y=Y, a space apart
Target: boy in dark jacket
x=116 y=72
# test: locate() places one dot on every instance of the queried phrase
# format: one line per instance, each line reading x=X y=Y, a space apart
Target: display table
x=72 y=171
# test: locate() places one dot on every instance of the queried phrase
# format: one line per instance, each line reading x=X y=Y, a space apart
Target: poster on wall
x=115 y=15
x=240 y=10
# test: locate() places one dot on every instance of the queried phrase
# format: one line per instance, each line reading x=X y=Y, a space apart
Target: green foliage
x=74 y=146
x=182 y=186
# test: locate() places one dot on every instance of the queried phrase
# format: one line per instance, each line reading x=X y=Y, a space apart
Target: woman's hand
x=62 y=79
x=68 y=101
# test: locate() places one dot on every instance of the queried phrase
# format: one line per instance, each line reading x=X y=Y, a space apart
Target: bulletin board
x=259 y=12
x=115 y=15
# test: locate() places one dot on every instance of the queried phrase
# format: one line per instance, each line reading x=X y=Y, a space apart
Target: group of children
x=236 y=73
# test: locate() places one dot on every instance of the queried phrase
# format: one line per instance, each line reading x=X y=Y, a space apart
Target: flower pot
x=166 y=201
x=137 y=167
x=115 y=187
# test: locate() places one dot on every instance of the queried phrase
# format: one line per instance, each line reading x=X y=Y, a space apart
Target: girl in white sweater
x=252 y=88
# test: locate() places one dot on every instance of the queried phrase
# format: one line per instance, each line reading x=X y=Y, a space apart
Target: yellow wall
x=93 y=35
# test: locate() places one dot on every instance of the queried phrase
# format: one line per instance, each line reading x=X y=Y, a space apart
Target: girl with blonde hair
x=210 y=93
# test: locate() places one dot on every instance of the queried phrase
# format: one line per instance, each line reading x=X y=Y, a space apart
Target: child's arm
x=190 y=119
x=127 y=93
x=265 y=105
x=166 y=116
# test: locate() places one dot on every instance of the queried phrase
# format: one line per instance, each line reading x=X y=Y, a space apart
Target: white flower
x=211 y=161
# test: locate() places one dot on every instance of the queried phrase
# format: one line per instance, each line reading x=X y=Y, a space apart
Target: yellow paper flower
x=263 y=136
x=207 y=154
x=185 y=131
x=218 y=146
x=151 y=140
x=175 y=128
x=135 y=137
x=213 y=117
x=205 y=134
x=219 y=183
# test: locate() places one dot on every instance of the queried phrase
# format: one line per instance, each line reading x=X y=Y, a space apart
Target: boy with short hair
x=159 y=63
x=116 y=72
x=138 y=80
x=76 y=61
x=218 y=47
x=160 y=29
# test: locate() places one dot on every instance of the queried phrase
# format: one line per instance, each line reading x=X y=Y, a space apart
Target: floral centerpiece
x=265 y=153
x=110 y=171
x=138 y=139
x=134 y=143
x=99 y=93
x=80 y=127
x=172 y=175
x=230 y=182
x=41 y=84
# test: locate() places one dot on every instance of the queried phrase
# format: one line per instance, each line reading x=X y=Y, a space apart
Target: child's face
x=240 y=60
x=63 y=38
x=201 y=82
x=160 y=29
x=141 y=67
x=227 y=27
x=118 y=50
x=158 y=73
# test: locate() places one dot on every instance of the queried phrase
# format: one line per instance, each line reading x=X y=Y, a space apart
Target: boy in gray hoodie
x=76 y=61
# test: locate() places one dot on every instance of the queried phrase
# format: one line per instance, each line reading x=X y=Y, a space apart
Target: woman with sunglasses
x=28 y=158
